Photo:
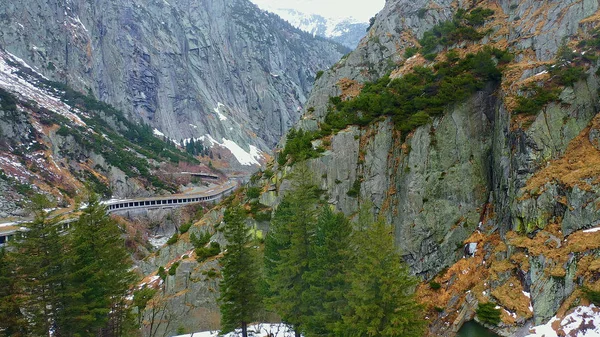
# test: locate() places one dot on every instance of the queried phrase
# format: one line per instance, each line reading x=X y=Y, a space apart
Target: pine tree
x=240 y=298
x=12 y=322
x=287 y=250
x=40 y=269
x=100 y=276
x=381 y=296
x=189 y=147
x=326 y=275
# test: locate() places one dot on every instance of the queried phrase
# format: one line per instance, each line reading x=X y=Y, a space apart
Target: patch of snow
x=11 y=167
x=158 y=133
x=186 y=141
x=243 y=157
x=472 y=248
x=592 y=230
x=512 y=314
x=11 y=81
x=246 y=158
x=77 y=20
x=194 y=126
x=158 y=241
x=24 y=64
x=581 y=322
x=256 y=330
x=218 y=111
x=211 y=140
x=150 y=281
x=8 y=224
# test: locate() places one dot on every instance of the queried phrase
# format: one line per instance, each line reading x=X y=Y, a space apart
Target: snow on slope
x=361 y=10
x=345 y=30
x=13 y=81
x=581 y=322
x=257 y=330
x=246 y=158
x=315 y=24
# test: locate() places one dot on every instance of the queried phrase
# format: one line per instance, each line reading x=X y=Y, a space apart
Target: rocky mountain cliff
x=479 y=174
x=61 y=143
x=221 y=71
x=494 y=193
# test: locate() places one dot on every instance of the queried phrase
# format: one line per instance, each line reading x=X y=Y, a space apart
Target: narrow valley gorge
x=469 y=128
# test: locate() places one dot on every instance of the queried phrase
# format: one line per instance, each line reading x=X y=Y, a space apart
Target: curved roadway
x=7 y=230
x=175 y=200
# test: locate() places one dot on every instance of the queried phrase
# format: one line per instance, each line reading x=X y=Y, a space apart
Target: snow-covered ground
x=581 y=322
x=315 y=24
x=11 y=81
x=257 y=330
x=158 y=241
x=10 y=224
x=246 y=158
x=218 y=111
x=362 y=10
x=592 y=230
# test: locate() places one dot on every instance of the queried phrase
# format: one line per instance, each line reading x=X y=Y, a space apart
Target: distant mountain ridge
x=347 y=31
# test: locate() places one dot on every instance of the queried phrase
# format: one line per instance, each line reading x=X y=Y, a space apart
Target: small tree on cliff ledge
x=381 y=298
x=240 y=299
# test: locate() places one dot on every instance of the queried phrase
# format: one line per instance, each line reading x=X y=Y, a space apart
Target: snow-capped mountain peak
x=345 y=30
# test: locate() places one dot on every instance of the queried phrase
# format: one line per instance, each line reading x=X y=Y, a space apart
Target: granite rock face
x=522 y=189
x=188 y=68
x=471 y=171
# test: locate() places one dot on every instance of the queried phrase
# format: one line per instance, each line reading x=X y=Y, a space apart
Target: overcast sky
x=359 y=9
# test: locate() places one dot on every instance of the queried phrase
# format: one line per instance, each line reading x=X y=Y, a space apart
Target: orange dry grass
x=406 y=40
x=594 y=20
x=408 y=66
x=520 y=260
x=580 y=242
x=545 y=243
x=475 y=275
x=349 y=88
x=465 y=275
x=510 y=296
x=468 y=272
x=580 y=163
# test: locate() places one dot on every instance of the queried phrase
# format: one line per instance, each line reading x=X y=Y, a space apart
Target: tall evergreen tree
x=12 y=322
x=287 y=250
x=240 y=299
x=381 y=296
x=326 y=275
x=100 y=274
x=40 y=266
